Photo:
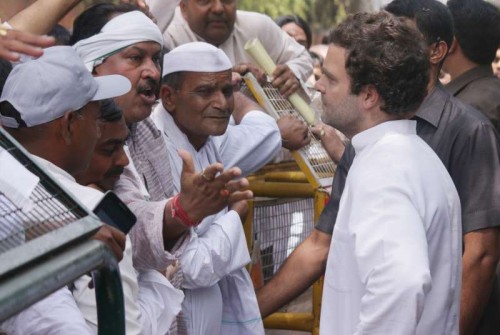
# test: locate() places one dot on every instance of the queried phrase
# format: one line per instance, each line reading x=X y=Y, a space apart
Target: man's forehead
x=145 y=47
x=207 y=77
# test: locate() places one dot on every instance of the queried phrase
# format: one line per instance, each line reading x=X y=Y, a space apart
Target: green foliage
x=322 y=15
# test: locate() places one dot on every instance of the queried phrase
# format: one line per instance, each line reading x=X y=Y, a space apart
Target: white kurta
x=394 y=265
x=151 y=303
x=220 y=298
x=282 y=48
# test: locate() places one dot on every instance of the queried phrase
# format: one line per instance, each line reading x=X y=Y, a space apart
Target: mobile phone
x=111 y=210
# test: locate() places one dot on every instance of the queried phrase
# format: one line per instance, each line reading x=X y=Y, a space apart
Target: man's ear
x=168 y=98
x=183 y=5
x=67 y=126
x=439 y=51
x=369 y=97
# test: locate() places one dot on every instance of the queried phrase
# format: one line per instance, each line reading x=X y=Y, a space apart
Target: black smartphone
x=111 y=210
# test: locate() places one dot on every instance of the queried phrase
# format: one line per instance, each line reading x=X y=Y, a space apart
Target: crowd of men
x=145 y=103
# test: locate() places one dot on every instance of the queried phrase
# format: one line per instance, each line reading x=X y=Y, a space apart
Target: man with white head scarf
x=197 y=101
x=117 y=39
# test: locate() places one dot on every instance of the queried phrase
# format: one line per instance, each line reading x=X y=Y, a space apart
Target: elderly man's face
x=212 y=20
x=202 y=106
x=109 y=157
x=340 y=107
x=140 y=63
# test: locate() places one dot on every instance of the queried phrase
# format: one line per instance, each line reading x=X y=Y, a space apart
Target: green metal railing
x=55 y=248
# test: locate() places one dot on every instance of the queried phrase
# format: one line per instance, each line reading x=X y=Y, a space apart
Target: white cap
x=196 y=57
x=43 y=89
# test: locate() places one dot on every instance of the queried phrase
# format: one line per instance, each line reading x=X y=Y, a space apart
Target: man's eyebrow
x=327 y=73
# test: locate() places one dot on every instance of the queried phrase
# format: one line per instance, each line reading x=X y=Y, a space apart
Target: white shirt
x=57 y=313
x=151 y=303
x=394 y=265
x=282 y=48
x=220 y=298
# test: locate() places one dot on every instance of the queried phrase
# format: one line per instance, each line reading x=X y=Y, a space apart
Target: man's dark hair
x=432 y=17
x=91 y=21
x=477 y=29
x=61 y=34
x=285 y=19
x=5 y=68
x=110 y=111
x=173 y=80
x=386 y=52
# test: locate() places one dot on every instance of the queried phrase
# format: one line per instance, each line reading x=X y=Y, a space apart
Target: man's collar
x=433 y=105
x=457 y=84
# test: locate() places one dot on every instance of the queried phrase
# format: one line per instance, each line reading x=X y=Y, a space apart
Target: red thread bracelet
x=180 y=213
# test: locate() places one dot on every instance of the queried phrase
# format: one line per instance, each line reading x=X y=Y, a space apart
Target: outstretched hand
x=13 y=43
x=206 y=193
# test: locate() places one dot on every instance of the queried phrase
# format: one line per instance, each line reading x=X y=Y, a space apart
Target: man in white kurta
x=246 y=25
x=220 y=298
x=37 y=115
x=394 y=265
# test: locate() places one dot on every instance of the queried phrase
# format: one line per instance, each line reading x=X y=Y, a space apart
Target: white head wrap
x=120 y=32
x=196 y=57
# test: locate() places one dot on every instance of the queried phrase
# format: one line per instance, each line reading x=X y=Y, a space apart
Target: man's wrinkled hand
x=294 y=132
x=208 y=192
x=284 y=80
x=243 y=68
x=113 y=238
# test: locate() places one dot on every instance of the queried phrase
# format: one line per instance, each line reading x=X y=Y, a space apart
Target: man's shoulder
x=253 y=20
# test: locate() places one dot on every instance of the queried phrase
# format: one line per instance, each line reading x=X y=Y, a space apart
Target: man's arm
x=302 y=268
x=42 y=15
x=479 y=262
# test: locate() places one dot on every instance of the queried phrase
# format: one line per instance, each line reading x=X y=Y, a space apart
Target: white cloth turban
x=120 y=32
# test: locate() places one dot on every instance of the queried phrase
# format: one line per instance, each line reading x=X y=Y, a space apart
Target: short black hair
x=477 y=29
x=91 y=21
x=61 y=34
x=282 y=20
x=110 y=111
x=173 y=80
x=387 y=52
x=432 y=17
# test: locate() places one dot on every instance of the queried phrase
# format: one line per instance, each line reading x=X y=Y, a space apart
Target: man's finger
x=187 y=162
x=210 y=172
x=41 y=41
x=237 y=185
x=228 y=175
x=238 y=196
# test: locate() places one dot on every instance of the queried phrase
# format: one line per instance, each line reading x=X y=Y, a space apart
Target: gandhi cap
x=195 y=57
x=43 y=89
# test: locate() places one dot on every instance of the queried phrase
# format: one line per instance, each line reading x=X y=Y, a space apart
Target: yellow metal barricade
x=282 y=214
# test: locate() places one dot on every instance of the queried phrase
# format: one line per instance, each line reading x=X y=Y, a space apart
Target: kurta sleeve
x=57 y=314
x=391 y=250
x=159 y=301
x=220 y=250
x=250 y=144
x=283 y=49
x=147 y=234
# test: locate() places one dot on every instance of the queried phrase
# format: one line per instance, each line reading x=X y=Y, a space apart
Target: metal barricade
x=47 y=245
x=281 y=216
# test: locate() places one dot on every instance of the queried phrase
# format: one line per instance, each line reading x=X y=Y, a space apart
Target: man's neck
x=457 y=64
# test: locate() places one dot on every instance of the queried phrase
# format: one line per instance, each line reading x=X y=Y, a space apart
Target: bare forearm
x=243 y=105
x=477 y=283
x=42 y=15
x=302 y=268
x=173 y=229
x=479 y=263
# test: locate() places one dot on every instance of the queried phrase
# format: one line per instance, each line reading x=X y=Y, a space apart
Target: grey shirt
x=479 y=88
x=468 y=145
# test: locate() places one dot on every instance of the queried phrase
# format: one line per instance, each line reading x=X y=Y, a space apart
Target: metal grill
x=52 y=207
x=313 y=158
x=280 y=225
